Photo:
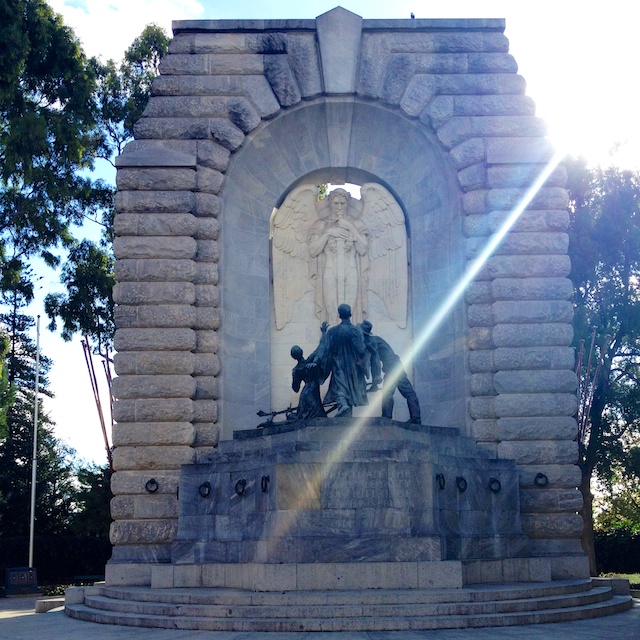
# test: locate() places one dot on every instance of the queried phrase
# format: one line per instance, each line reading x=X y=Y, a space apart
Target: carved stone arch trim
x=340 y=140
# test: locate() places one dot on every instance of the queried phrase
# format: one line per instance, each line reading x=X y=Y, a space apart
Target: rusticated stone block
x=150 y=458
x=206 y=388
x=481 y=361
x=493 y=63
x=206 y=364
x=481 y=384
x=553 y=525
x=158 y=224
x=535 y=404
x=155 y=270
x=206 y=273
x=439 y=110
x=211 y=43
x=558 y=475
x=156 y=506
x=480 y=84
x=121 y=507
x=208 y=251
x=212 y=64
x=482 y=408
x=189 y=106
x=526 y=311
x=207 y=204
x=525 y=335
x=155 y=339
x=212 y=155
x=563 y=381
x=207 y=341
x=155 y=316
x=207 y=434
x=173 y=179
x=144 y=247
x=534 y=243
x=399 y=71
x=547 y=428
x=143 y=531
x=475 y=202
x=161 y=386
x=140 y=293
x=550 y=500
x=205 y=411
x=420 y=91
x=523 y=176
x=545 y=198
x=516 y=150
x=459 y=128
x=243 y=115
x=478 y=293
x=480 y=315
x=155 y=201
x=532 y=289
x=226 y=133
x=526 y=267
x=153 y=433
x=207 y=295
x=479 y=338
x=282 y=80
x=154 y=363
x=172 y=128
x=133 y=481
x=485 y=430
x=468 y=153
x=528 y=221
x=498 y=105
x=539 y=452
x=473 y=177
x=207 y=318
x=209 y=180
x=153 y=410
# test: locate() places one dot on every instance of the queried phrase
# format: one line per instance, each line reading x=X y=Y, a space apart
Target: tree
x=48 y=135
x=55 y=483
x=605 y=254
x=123 y=90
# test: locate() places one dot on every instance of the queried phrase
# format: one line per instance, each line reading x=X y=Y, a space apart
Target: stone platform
x=347 y=610
x=344 y=490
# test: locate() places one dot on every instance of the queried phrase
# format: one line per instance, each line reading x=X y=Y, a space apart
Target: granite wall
x=243 y=111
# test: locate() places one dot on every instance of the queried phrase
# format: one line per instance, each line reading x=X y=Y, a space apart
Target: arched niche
x=339 y=140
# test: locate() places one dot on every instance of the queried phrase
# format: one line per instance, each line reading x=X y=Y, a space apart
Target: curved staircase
x=486 y=605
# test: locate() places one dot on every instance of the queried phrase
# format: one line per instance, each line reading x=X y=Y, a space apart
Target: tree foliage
x=605 y=254
x=48 y=135
x=87 y=308
x=123 y=89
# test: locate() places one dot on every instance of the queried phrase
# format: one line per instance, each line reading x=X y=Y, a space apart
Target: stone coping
x=419 y=24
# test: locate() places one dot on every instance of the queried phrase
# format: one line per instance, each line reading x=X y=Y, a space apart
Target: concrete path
x=18 y=621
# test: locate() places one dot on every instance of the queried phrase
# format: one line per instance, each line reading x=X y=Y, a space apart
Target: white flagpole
x=35 y=447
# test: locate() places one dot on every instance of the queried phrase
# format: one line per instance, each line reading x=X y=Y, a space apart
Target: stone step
x=222 y=596
x=276 y=611
x=400 y=623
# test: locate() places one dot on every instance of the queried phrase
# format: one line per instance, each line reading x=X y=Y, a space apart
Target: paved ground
x=19 y=622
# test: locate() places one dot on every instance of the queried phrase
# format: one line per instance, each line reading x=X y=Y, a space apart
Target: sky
x=579 y=59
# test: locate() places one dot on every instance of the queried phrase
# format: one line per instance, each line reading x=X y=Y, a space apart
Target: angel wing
x=289 y=230
x=388 y=271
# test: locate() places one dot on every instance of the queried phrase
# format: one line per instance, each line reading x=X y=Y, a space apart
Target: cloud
x=106 y=29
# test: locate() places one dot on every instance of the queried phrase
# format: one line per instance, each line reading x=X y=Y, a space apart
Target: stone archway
x=371 y=143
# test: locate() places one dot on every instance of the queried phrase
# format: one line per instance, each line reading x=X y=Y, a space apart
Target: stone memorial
x=225 y=259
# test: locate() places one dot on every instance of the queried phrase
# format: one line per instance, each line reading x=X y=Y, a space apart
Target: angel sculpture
x=343 y=249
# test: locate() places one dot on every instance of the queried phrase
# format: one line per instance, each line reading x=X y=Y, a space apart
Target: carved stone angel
x=341 y=248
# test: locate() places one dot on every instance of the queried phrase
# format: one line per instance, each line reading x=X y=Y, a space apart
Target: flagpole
x=35 y=447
